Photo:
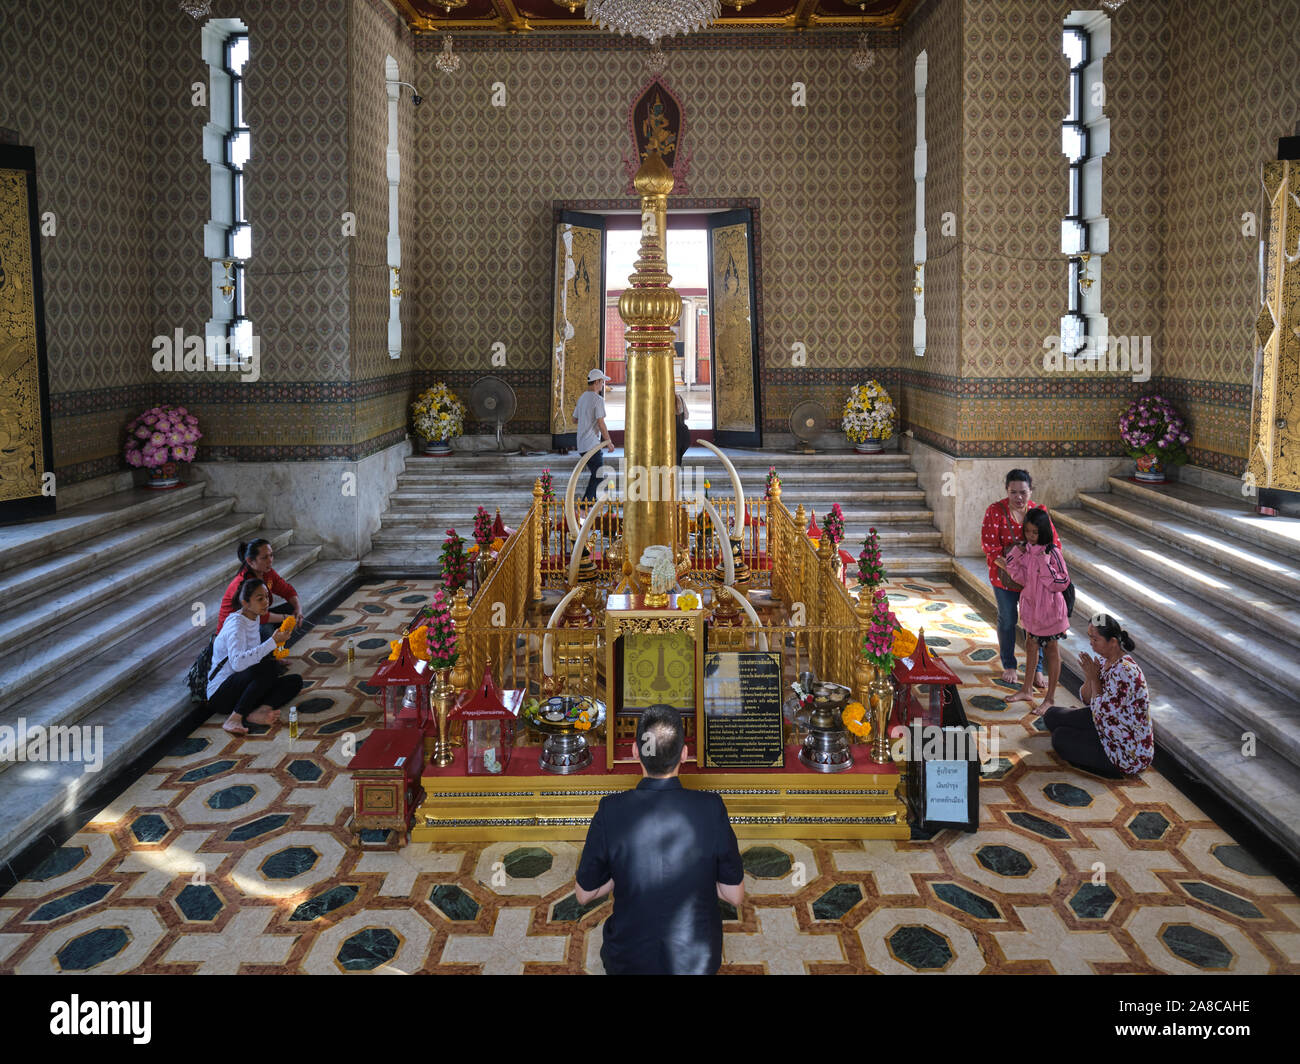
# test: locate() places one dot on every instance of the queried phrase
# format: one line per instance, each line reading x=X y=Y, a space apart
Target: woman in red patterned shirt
x=1004 y=527
x=1111 y=736
x=256 y=559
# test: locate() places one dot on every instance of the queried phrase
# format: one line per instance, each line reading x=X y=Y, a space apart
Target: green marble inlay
x=894 y=596
x=372 y=644
x=149 y=828
x=568 y=908
x=1067 y=794
x=331 y=618
x=1092 y=901
x=373 y=609
x=983 y=654
x=973 y=617
x=967 y=902
x=957 y=629
x=323 y=657
x=837 y=901
x=988 y=703
x=411 y=600
x=305 y=771
x=231 y=797
x=188 y=747
x=921 y=947
x=334 y=898
x=200 y=904
x=527 y=862
x=69 y=903
x=1148 y=825
x=92 y=948
x=1197 y=947
x=935 y=607
x=254 y=828
x=766 y=862
x=368 y=949
x=1238 y=859
x=454 y=903
x=313 y=705
x=391 y=590
x=375 y=834
x=62 y=860
x=1221 y=899
x=356 y=629
x=203 y=772
x=1004 y=861
x=996 y=769
x=334 y=727
x=290 y=862
x=933 y=641
x=728 y=910
x=1038 y=825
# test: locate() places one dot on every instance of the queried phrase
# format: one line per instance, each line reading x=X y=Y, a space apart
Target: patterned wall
x=87 y=121
x=1226 y=118
x=826 y=177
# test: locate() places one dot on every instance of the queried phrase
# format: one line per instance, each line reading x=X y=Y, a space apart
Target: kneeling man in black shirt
x=668 y=854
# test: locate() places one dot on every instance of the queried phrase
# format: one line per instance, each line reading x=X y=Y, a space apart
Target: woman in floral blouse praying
x=1111 y=736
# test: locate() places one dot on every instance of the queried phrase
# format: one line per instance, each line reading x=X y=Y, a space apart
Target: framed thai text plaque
x=742 y=710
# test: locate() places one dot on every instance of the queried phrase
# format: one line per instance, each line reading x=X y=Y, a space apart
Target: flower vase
x=444 y=698
x=880 y=692
x=164 y=476
x=1150 y=469
x=869 y=446
x=437 y=447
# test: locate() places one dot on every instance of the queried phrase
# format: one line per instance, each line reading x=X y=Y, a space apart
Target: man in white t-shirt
x=590 y=416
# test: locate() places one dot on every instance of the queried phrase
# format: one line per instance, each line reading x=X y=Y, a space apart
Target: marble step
x=1255 y=601
x=1238 y=519
x=44 y=575
x=1202 y=542
x=23 y=543
x=1176 y=664
x=1189 y=723
x=34 y=796
x=1241 y=639
x=43 y=662
x=740 y=459
x=114 y=667
x=426 y=498
x=120 y=576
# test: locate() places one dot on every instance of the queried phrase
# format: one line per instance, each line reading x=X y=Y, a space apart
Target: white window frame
x=1083 y=323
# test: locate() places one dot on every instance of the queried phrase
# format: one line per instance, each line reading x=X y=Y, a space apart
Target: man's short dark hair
x=660 y=731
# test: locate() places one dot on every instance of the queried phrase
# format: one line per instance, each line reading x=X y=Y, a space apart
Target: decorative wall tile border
x=712 y=40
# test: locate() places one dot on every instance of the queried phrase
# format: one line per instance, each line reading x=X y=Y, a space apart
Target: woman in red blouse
x=1004 y=527
x=255 y=559
x=1111 y=735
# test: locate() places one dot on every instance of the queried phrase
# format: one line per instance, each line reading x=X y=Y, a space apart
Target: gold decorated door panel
x=578 y=329
x=737 y=416
x=25 y=450
x=1274 y=461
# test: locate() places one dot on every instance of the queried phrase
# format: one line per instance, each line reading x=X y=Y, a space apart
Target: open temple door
x=578 y=330
x=26 y=488
x=737 y=417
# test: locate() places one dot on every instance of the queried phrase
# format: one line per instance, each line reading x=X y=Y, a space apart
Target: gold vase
x=444 y=697
x=880 y=691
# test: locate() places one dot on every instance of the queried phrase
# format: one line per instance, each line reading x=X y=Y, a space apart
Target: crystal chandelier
x=653 y=19
x=656 y=62
x=196 y=8
x=863 y=58
x=1112 y=5
x=447 y=61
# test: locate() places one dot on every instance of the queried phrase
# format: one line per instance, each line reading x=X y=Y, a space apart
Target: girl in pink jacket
x=1040 y=568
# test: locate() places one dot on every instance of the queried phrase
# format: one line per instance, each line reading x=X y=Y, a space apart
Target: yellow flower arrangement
x=868 y=413
x=904 y=643
x=396 y=645
x=583 y=723
x=687 y=601
x=420 y=642
x=497 y=544
x=855 y=719
x=438 y=414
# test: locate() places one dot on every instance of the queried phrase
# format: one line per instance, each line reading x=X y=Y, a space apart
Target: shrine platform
x=864 y=802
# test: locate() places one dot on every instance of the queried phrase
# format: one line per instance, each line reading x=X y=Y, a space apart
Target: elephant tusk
x=739 y=527
x=570 y=514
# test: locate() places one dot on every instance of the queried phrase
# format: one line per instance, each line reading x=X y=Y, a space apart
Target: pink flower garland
x=162 y=434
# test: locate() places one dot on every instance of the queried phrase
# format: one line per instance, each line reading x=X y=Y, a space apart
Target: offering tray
x=565 y=749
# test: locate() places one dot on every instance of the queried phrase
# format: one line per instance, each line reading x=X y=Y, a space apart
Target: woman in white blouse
x=1111 y=735
x=246 y=680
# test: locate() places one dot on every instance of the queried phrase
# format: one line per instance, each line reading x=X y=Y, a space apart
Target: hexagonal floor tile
x=1092 y=901
x=334 y=898
x=149 y=828
x=368 y=949
x=199 y=903
x=289 y=862
x=1148 y=825
x=837 y=901
x=921 y=948
x=1191 y=944
x=766 y=862
x=527 y=862
x=94 y=947
x=967 y=901
x=1221 y=899
x=70 y=903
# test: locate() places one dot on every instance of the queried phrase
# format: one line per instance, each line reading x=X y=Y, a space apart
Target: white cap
x=596 y=375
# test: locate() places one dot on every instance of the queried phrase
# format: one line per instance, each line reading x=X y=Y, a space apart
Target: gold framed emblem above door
x=733 y=321
x=578 y=324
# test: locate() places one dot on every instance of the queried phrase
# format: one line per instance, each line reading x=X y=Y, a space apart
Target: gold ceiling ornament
x=657 y=62
x=196 y=8
x=447 y=5
x=738 y=4
x=863 y=57
x=447 y=61
x=571 y=5
x=653 y=19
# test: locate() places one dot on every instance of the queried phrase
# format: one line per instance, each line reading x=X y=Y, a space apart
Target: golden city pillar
x=649 y=308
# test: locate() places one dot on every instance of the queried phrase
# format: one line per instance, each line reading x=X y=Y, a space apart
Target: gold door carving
x=733 y=339
x=22 y=456
x=1275 y=434
x=579 y=318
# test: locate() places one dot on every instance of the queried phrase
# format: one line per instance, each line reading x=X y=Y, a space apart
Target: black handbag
x=1068 y=595
x=202 y=672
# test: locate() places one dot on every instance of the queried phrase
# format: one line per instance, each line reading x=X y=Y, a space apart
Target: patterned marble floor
x=231 y=855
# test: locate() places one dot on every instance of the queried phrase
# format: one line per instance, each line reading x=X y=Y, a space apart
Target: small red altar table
x=386 y=787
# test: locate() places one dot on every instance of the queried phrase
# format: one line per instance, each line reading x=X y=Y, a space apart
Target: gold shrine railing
x=823 y=631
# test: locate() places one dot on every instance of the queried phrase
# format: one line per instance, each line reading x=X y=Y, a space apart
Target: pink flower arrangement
x=443 y=651
x=548 y=491
x=878 y=644
x=162 y=434
x=871 y=570
x=834 y=525
x=482 y=528
x=1152 y=426
x=455 y=565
